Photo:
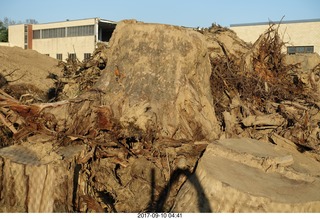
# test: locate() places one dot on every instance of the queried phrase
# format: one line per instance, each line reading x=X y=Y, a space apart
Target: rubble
x=128 y=126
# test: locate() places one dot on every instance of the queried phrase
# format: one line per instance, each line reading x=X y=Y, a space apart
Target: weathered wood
x=35 y=178
x=283 y=142
x=246 y=175
x=264 y=120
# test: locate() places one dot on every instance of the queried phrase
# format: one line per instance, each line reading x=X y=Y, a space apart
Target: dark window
x=300 y=49
x=36 y=34
x=53 y=33
x=87 y=30
x=87 y=56
x=291 y=50
x=72 y=56
x=309 y=49
x=25 y=36
x=59 y=56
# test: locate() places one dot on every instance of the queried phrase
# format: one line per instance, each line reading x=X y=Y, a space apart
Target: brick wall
x=30 y=36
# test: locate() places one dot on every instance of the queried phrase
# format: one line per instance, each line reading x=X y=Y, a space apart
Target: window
x=309 y=49
x=36 y=34
x=25 y=36
x=87 y=30
x=59 y=56
x=87 y=56
x=291 y=50
x=300 y=49
x=72 y=56
x=53 y=33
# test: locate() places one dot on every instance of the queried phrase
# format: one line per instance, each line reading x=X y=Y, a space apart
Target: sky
x=189 y=13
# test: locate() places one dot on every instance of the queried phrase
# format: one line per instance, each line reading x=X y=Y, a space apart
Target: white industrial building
x=62 y=40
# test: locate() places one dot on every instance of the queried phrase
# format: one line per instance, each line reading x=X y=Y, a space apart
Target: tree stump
x=246 y=175
x=35 y=177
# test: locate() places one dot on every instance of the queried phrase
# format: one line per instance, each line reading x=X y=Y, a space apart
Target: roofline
x=107 y=21
x=276 y=22
x=67 y=20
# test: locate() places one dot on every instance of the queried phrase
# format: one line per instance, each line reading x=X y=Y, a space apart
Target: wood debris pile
x=77 y=77
x=136 y=152
x=258 y=95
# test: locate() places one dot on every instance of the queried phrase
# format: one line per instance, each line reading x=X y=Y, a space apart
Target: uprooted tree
x=145 y=109
x=259 y=84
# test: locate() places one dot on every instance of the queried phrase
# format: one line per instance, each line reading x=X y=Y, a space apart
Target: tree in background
x=5 y=24
x=3 y=32
x=4 y=28
x=31 y=21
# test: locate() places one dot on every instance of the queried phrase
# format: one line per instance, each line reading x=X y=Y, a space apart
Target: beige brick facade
x=294 y=33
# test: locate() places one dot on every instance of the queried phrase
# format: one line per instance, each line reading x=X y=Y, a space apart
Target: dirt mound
x=24 y=76
x=130 y=124
x=25 y=72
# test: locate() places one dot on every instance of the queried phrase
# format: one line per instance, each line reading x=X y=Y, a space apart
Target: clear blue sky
x=192 y=13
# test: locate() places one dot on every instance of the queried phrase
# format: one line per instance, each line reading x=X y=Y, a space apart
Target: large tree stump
x=36 y=178
x=155 y=87
x=246 y=175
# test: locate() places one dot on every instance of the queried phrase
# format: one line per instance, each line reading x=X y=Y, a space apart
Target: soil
x=27 y=71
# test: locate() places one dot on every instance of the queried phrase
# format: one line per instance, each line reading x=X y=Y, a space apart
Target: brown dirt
x=28 y=71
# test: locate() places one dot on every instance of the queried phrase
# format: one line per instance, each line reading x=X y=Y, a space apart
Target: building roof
x=276 y=22
x=67 y=20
